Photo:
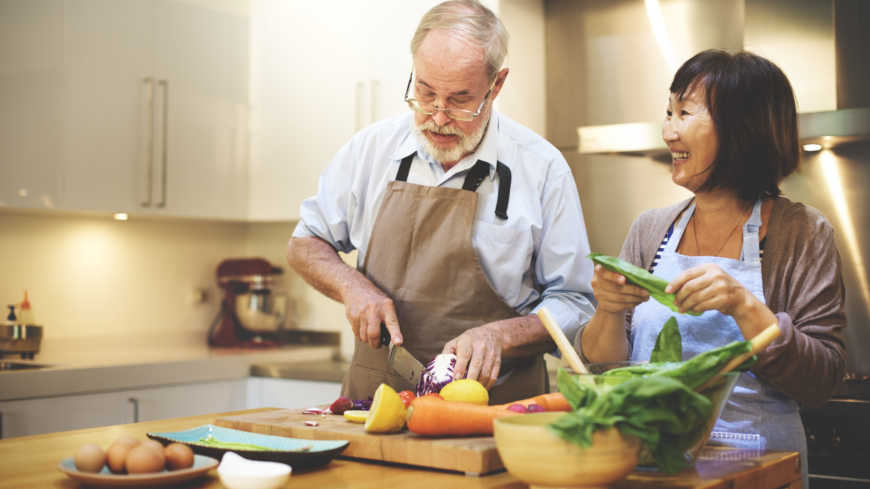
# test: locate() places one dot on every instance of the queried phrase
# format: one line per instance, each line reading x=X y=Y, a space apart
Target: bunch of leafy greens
x=640 y=277
x=655 y=401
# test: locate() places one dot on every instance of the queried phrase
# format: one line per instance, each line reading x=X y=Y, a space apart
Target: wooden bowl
x=536 y=456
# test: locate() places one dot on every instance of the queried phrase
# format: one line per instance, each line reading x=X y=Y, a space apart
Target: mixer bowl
x=263 y=310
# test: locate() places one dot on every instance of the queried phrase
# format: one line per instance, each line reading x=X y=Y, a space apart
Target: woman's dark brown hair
x=753 y=108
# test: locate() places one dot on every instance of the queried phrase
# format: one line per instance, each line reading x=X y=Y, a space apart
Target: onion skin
x=518 y=408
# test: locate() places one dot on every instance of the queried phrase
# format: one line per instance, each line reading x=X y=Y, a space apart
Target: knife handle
x=385 y=335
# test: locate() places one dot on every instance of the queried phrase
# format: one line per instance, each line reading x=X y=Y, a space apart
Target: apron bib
x=420 y=254
x=757 y=415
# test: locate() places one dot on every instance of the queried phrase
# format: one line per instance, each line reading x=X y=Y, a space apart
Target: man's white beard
x=465 y=143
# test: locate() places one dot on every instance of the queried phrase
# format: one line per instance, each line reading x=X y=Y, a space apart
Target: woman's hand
x=706 y=288
x=613 y=293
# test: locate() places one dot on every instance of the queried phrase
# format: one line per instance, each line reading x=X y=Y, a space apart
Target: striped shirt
x=668 y=236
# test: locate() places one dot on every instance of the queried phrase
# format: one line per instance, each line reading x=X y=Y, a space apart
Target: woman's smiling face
x=689 y=132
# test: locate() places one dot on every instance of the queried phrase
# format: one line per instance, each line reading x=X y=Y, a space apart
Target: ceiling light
x=812 y=147
x=120 y=216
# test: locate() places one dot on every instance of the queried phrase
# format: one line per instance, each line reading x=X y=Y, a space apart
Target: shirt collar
x=488 y=150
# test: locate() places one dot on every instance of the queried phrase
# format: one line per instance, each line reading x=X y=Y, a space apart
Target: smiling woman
x=731 y=127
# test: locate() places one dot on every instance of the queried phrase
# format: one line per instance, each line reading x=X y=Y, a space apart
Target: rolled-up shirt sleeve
x=561 y=266
x=325 y=215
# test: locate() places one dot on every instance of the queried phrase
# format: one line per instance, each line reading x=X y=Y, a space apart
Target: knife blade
x=401 y=360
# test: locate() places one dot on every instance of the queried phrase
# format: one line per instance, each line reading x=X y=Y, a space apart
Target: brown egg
x=116 y=455
x=178 y=456
x=153 y=444
x=144 y=460
x=89 y=458
x=128 y=440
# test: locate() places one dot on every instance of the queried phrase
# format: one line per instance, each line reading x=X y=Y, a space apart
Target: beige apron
x=420 y=254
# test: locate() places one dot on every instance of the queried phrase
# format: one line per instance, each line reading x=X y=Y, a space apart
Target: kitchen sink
x=11 y=365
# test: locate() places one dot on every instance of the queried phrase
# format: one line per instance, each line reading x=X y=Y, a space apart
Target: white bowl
x=237 y=472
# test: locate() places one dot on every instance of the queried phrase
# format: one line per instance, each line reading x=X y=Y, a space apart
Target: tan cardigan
x=803 y=285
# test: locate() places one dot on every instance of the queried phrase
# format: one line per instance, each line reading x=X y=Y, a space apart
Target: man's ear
x=499 y=82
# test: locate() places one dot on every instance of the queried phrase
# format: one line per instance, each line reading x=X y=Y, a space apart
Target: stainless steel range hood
x=849 y=124
x=828 y=129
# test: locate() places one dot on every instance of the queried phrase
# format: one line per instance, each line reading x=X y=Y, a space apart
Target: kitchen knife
x=401 y=360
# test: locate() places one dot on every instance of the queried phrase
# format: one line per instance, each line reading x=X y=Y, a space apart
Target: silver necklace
x=695 y=231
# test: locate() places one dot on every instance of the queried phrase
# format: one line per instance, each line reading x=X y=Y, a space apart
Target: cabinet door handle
x=360 y=87
x=149 y=139
x=165 y=155
x=135 y=402
x=1 y=426
x=374 y=101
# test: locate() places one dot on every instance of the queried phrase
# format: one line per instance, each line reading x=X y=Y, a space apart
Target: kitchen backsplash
x=91 y=276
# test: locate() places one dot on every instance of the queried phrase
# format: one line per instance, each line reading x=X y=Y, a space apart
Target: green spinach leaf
x=640 y=277
x=669 y=344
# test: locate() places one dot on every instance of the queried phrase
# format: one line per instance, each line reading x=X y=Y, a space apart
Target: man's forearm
x=523 y=336
x=317 y=262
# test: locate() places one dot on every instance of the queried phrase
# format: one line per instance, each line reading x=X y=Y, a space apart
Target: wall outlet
x=200 y=296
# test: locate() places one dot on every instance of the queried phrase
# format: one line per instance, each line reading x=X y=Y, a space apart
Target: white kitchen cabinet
x=52 y=414
x=183 y=400
x=290 y=393
x=48 y=415
x=321 y=72
x=156 y=108
x=31 y=81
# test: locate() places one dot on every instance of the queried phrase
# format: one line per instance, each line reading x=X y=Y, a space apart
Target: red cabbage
x=437 y=374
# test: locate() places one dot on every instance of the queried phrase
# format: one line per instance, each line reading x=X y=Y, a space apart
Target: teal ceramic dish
x=295 y=452
x=104 y=478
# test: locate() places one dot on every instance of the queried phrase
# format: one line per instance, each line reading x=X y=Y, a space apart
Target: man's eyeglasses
x=429 y=109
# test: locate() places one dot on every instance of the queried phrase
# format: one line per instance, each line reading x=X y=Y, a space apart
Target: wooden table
x=29 y=462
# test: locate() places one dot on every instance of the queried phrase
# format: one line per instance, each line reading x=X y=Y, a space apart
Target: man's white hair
x=472 y=21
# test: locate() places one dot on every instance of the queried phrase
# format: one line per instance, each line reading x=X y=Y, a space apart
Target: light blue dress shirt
x=535 y=258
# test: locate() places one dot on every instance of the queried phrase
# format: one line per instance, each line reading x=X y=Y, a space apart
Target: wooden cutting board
x=473 y=455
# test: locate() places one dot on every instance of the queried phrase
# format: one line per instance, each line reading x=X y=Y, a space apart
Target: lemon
x=356 y=416
x=466 y=390
x=387 y=413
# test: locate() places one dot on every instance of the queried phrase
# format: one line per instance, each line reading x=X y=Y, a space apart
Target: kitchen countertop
x=29 y=462
x=81 y=366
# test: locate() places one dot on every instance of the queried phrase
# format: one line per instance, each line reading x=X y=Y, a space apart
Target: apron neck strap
x=473 y=179
x=404 y=168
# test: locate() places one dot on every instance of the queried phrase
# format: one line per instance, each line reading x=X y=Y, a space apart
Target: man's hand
x=366 y=308
x=365 y=305
x=478 y=351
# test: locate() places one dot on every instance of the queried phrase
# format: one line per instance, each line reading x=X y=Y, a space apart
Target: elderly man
x=466 y=223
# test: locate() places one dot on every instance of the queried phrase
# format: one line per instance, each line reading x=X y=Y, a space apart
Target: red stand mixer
x=251 y=314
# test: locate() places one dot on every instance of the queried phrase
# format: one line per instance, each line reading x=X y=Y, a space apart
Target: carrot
x=436 y=417
x=554 y=401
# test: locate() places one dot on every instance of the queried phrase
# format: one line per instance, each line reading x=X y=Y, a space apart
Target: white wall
x=524 y=97
x=89 y=276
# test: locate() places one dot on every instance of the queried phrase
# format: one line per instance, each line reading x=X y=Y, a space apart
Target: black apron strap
x=473 y=179
x=405 y=168
x=475 y=175
x=504 y=189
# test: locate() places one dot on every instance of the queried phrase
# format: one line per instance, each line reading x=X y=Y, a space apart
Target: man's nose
x=440 y=117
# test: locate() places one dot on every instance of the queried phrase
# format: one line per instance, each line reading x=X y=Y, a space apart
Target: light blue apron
x=757 y=415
